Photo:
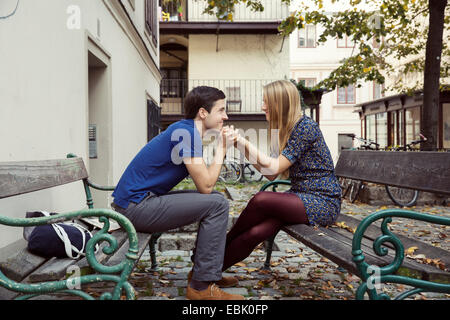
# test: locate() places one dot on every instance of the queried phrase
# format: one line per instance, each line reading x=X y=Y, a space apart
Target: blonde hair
x=283 y=101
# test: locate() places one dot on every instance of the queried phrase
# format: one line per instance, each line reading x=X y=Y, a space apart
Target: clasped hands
x=230 y=137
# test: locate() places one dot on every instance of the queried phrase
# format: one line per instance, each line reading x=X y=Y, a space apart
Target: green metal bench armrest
x=87 y=184
x=122 y=270
x=98 y=187
x=274 y=184
x=386 y=274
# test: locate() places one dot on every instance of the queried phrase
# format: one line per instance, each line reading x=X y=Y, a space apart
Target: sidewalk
x=297 y=271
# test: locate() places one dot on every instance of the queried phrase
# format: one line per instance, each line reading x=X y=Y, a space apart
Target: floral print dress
x=312 y=173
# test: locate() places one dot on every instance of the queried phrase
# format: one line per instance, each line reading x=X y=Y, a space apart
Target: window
x=381 y=119
x=412 y=124
x=370 y=127
x=378 y=90
x=173 y=83
x=153 y=120
x=395 y=128
x=307 y=82
x=307 y=37
x=346 y=95
x=363 y=128
x=151 y=19
x=446 y=125
x=345 y=42
x=234 y=102
x=401 y=122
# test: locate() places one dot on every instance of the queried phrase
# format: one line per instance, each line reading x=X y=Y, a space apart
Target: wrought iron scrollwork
x=118 y=273
x=387 y=274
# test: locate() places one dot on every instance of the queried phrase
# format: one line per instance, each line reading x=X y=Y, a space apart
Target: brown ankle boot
x=213 y=292
x=225 y=282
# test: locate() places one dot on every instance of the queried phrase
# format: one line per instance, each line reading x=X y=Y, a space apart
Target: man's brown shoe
x=213 y=292
x=225 y=282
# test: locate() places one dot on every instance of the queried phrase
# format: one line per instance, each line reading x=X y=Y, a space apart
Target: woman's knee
x=254 y=236
x=260 y=199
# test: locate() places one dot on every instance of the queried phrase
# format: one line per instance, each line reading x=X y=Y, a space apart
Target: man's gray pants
x=179 y=208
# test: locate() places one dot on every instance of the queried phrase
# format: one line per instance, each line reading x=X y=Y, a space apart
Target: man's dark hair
x=201 y=97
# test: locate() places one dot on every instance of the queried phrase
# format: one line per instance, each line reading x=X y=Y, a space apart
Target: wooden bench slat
x=21 y=264
x=336 y=247
x=27 y=176
x=143 y=238
x=326 y=246
x=345 y=238
x=421 y=270
x=321 y=239
x=336 y=243
x=425 y=171
x=373 y=232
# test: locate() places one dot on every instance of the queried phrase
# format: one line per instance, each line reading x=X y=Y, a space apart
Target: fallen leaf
x=274 y=284
x=292 y=269
x=410 y=250
x=345 y=226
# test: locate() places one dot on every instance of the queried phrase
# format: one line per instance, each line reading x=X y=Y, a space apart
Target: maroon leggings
x=263 y=217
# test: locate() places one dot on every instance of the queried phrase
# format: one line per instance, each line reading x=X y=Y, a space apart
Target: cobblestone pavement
x=297 y=271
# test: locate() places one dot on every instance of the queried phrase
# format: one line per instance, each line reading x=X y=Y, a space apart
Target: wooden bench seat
x=24 y=274
x=358 y=245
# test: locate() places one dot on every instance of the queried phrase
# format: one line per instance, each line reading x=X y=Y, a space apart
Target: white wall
x=44 y=93
x=238 y=57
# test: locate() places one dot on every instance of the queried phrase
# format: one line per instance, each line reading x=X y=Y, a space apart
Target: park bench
x=373 y=252
x=24 y=275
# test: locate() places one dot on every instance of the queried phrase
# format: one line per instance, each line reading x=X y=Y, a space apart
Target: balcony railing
x=242 y=96
x=192 y=11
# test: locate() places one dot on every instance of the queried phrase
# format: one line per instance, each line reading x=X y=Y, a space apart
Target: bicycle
x=231 y=171
x=250 y=172
x=350 y=186
x=367 y=144
x=401 y=196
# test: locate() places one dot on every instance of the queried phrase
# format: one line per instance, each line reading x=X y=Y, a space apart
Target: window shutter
x=151 y=19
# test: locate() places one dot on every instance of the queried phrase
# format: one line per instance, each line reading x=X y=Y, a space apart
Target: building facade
x=396 y=120
x=76 y=77
x=312 y=63
x=238 y=57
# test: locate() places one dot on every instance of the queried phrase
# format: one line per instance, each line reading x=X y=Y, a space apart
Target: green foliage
x=399 y=27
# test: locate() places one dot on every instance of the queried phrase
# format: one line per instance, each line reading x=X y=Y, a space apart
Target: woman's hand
x=229 y=136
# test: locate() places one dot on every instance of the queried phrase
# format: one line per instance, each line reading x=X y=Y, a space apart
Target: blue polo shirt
x=159 y=166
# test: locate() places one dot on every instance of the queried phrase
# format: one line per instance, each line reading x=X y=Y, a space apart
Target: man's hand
x=229 y=136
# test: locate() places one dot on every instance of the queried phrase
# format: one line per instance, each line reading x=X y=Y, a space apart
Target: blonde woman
x=315 y=195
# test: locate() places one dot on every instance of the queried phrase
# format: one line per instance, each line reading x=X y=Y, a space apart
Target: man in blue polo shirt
x=144 y=194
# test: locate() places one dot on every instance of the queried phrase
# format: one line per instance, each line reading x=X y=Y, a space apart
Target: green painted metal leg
x=153 y=239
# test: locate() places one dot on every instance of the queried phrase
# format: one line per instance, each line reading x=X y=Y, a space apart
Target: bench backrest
x=424 y=170
x=28 y=176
